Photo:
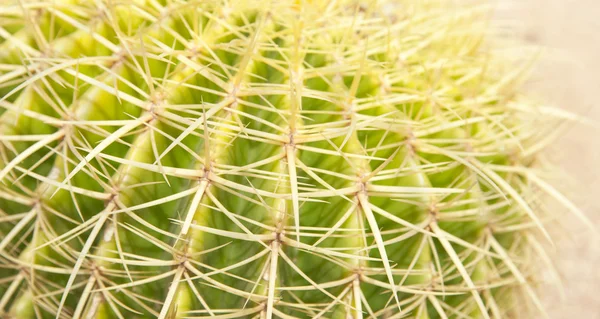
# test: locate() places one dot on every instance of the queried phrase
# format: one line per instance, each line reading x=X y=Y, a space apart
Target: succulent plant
x=267 y=159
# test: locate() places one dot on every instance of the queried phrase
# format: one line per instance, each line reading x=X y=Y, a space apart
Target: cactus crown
x=264 y=159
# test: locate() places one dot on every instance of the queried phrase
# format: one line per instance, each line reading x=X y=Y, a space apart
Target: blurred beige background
x=569 y=77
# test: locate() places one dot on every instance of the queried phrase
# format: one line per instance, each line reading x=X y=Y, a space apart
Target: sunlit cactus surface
x=267 y=159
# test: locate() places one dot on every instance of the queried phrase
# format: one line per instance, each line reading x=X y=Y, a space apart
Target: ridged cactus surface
x=265 y=159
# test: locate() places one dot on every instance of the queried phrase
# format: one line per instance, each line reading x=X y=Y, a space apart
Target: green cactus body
x=263 y=159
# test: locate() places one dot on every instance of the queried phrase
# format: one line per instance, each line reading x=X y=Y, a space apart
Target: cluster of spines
x=187 y=159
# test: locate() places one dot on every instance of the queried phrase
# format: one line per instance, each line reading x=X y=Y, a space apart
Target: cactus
x=266 y=159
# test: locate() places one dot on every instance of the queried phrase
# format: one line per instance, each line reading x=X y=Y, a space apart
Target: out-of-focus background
x=569 y=77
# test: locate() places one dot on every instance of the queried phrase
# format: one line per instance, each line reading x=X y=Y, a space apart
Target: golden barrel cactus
x=265 y=159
